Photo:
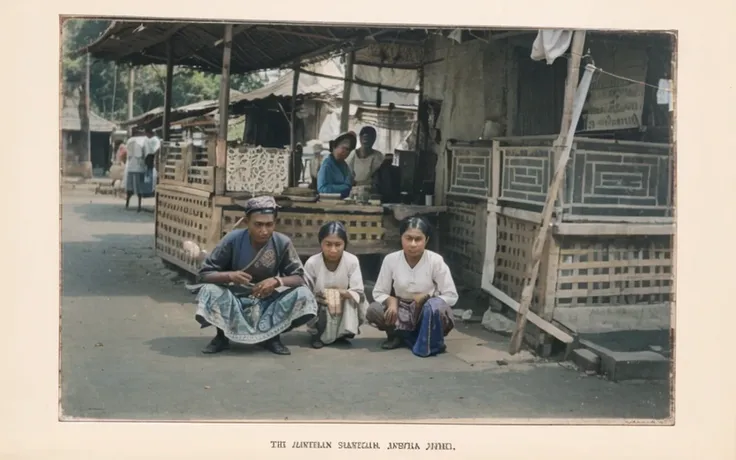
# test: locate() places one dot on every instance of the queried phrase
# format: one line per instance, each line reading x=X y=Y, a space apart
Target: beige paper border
x=705 y=422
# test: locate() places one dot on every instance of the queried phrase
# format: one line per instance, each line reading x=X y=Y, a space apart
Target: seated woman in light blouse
x=419 y=313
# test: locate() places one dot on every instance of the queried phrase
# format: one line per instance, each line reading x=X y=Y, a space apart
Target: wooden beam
x=164 y=37
x=236 y=31
x=168 y=89
x=535 y=319
x=221 y=148
x=612 y=229
x=346 y=90
x=301 y=34
x=294 y=181
x=360 y=82
x=564 y=140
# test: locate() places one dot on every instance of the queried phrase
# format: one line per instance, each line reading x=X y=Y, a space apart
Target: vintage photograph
x=363 y=222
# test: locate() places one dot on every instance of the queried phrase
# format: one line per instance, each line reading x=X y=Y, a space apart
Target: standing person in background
x=334 y=175
x=365 y=161
x=135 y=167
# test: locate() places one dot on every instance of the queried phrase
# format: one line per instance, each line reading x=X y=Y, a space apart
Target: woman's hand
x=239 y=277
x=265 y=288
x=420 y=299
x=320 y=298
x=345 y=295
x=392 y=311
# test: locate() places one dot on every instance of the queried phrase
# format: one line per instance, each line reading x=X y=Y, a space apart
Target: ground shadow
x=113 y=212
x=118 y=265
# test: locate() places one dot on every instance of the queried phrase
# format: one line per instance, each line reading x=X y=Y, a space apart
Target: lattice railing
x=187 y=164
x=621 y=271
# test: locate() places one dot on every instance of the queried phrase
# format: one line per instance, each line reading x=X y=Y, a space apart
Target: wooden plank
x=215 y=231
x=565 y=142
x=612 y=264
x=618 y=219
x=615 y=278
x=183 y=189
x=168 y=86
x=521 y=214
x=612 y=229
x=542 y=324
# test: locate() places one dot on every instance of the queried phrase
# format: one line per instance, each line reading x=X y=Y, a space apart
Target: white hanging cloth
x=551 y=44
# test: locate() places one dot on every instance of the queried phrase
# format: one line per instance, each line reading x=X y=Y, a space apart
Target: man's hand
x=239 y=277
x=265 y=288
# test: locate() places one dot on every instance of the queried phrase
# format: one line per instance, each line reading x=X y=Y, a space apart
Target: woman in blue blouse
x=334 y=174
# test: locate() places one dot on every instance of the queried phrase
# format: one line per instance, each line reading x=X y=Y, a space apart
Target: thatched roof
x=256 y=46
x=70 y=118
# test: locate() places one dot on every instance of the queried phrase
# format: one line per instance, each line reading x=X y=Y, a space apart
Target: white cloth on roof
x=551 y=44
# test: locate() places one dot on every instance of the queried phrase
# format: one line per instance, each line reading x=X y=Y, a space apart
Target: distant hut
x=71 y=140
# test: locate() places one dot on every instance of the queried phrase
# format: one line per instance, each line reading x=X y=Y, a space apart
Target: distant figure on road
x=335 y=278
x=419 y=315
x=135 y=167
x=245 y=276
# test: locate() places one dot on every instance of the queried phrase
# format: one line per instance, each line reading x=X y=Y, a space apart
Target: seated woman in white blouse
x=418 y=313
x=335 y=269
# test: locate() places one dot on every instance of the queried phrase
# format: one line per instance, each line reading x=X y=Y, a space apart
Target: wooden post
x=346 y=91
x=131 y=94
x=564 y=140
x=221 y=149
x=293 y=181
x=87 y=132
x=168 y=89
x=421 y=114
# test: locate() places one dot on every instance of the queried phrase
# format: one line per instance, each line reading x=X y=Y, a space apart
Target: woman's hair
x=418 y=223
x=333 y=228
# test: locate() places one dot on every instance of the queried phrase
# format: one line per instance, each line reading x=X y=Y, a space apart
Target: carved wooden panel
x=257 y=170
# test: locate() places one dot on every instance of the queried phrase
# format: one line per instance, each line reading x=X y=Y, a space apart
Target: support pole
x=131 y=96
x=168 y=90
x=346 y=91
x=293 y=180
x=221 y=148
x=564 y=141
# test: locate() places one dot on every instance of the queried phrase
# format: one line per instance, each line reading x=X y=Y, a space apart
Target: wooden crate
x=366 y=232
x=180 y=217
x=515 y=239
x=597 y=271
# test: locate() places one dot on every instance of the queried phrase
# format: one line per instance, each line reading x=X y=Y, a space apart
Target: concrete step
x=622 y=365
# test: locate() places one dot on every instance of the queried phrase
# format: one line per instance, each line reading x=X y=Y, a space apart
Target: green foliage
x=109 y=81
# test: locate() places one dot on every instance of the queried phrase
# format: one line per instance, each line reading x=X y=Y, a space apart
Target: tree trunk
x=84 y=147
